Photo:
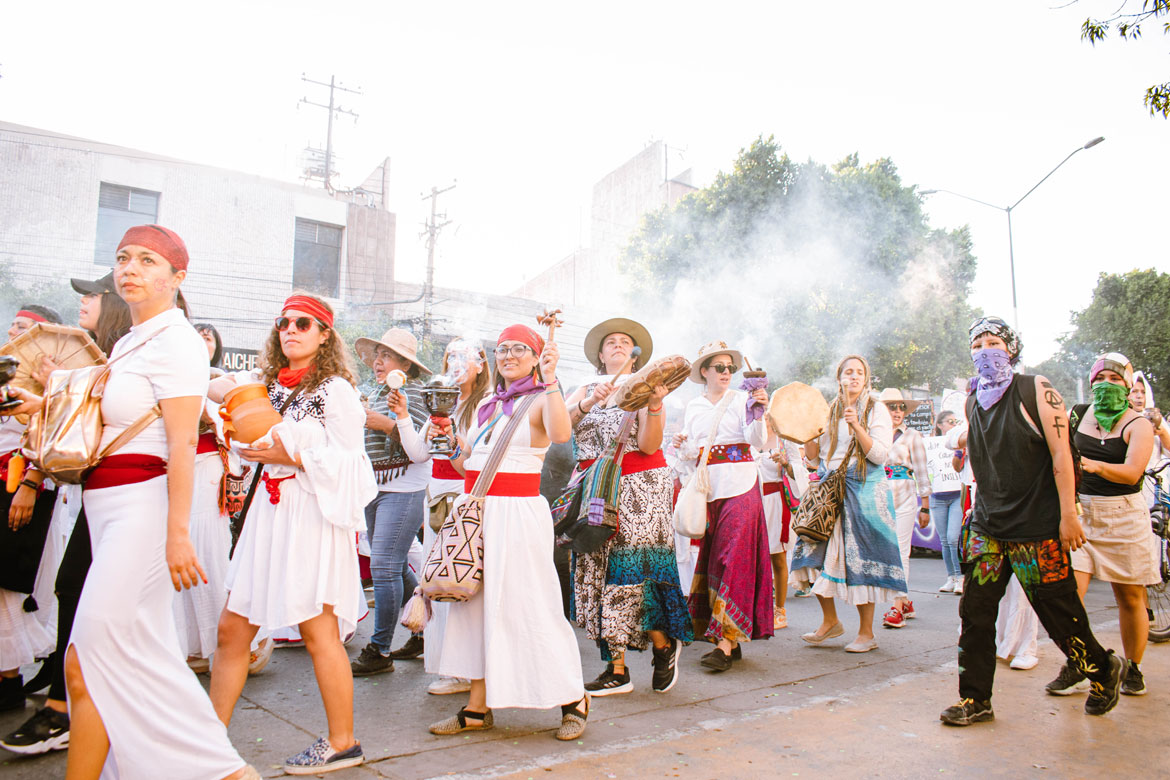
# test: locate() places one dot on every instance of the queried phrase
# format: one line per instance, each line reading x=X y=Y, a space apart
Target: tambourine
x=798 y=413
x=66 y=346
x=636 y=391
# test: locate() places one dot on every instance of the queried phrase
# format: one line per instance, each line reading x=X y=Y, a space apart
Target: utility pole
x=431 y=231
x=332 y=108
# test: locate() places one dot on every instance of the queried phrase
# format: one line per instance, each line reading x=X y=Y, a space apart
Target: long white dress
x=513 y=633
x=159 y=719
x=197 y=609
x=297 y=551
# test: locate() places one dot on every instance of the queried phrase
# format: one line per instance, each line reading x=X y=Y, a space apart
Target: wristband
x=925 y=509
x=581 y=408
x=30 y=484
x=655 y=411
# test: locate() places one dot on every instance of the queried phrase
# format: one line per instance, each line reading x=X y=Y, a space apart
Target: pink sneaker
x=894 y=618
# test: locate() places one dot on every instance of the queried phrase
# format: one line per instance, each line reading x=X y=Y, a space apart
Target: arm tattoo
x=1057 y=424
x=1053 y=399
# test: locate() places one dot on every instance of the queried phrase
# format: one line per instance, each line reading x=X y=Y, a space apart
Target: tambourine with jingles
x=636 y=391
x=798 y=413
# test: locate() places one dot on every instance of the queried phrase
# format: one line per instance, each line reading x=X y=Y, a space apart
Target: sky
x=526 y=105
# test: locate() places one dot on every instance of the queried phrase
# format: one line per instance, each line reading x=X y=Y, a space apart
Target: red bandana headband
x=160 y=240
x=523 y=334
x=311 y=306
x=32 y=315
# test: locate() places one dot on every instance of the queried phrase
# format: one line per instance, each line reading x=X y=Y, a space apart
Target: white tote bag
x=690 y=511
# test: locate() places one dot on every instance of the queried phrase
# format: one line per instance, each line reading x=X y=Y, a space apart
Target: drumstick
x=635 y=353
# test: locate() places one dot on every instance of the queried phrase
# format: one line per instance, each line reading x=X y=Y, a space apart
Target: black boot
x=11 y=693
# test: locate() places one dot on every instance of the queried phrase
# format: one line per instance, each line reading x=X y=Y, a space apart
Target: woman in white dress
x=296 y=562
x=511 y=639
x=466 y=364
x=136 y=710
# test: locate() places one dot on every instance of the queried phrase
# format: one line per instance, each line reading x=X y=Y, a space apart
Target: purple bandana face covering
x=994 y=368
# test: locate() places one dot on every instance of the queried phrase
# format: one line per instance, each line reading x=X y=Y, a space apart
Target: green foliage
x=1129 y=28
x=829 y=260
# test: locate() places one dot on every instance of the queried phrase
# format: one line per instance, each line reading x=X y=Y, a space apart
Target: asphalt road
x=786 y=708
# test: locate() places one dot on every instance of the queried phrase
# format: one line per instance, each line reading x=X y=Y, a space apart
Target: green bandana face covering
x=1109 y=402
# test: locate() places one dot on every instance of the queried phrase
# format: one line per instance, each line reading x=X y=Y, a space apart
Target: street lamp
x=1008 y=210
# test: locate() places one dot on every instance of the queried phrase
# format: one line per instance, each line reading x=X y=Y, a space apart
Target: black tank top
x=1016 y=499
x=1112 y=450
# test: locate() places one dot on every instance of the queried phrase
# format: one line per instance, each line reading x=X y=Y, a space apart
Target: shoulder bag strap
x=260 y=467
x=483 y=483
x=619 y=444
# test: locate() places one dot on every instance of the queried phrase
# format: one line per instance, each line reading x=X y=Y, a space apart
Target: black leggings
x=70 y=580
x=1044 y=571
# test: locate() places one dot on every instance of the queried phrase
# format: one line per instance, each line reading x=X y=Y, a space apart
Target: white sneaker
x=958 y=591
x=446 y=685
x=948 y=586
x=1024 y=662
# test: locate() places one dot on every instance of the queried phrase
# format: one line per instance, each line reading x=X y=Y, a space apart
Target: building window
x=119 y=209
x=317 y=257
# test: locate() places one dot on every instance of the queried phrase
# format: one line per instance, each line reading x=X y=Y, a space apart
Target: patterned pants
x=1045 y=572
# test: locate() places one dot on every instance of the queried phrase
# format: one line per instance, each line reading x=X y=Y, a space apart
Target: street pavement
x=787 y=709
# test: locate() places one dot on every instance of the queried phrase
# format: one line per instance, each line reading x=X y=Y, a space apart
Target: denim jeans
x=392 y=521
x=947 y=516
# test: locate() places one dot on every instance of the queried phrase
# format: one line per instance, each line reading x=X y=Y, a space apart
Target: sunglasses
x=302 y=323
x=896 y=406
x=515 y=350
x=723 y=368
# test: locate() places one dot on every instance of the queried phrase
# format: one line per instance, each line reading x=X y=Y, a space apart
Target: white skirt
x=1017 y=628
x=23 y=638
x=513 y=633
x=197 y=609
x=774 y=517
x=156 y=714
x=290 y=562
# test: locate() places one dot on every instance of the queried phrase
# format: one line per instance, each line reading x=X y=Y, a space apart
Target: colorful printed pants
x=1045 y=572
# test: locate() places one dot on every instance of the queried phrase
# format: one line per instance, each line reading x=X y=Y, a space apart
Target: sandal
x=573 y=719
x=464 y=720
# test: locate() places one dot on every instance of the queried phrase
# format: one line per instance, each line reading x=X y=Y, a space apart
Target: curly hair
x=332 y=358
x=864 y=406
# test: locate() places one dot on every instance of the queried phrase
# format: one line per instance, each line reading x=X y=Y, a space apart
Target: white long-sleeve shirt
x=727 y=479
x=881 y=430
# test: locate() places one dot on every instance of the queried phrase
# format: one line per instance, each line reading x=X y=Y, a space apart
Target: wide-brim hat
x=710 y=349
x=894 y=395
x=96 y=287
x=635 y=330
x=400 y=342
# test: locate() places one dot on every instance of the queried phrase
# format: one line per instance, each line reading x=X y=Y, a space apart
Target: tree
x=802 y=264
x=1129 y=22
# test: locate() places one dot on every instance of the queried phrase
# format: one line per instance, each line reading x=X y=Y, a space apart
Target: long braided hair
x=864 y=405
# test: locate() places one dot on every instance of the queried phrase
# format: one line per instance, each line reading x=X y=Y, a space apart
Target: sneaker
x=45 y=731
x=716 y=660
x=908 y=610
x=1135 y=684
x=1024 y=662
x=259 y=658
x=609 y=683
x=1069 y=681
x=894 y=618
x=1103 y=696
x=666 y=666
x=966 y=712
x=371 y=661
x=448 y=685
x=948 y=586
x=320 y=757
x=780 y=618
x=802 y=593
x=737 y=653
x=411 y=650
x=958 y=591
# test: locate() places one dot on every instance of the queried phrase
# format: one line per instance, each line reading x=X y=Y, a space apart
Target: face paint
x=1109 y=402
x=160 y=285
x=994 y=370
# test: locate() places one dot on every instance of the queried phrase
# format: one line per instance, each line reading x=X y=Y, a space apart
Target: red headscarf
x=309 y=305
x=161 y=240
x=523 y=334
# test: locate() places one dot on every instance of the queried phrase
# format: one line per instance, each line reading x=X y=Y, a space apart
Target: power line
x=331 y=109
x=431 y=231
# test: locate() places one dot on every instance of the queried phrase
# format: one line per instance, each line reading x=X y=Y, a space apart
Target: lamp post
x=1008 y=210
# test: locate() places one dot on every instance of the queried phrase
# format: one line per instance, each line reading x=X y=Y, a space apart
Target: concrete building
x=65 y=203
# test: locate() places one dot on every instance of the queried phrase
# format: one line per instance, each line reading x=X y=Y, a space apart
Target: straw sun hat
x=635 y=330
x=711 y=349
x=400 y=342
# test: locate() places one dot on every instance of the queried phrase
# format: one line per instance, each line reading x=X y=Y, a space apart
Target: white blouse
x=173 y=364
x=881 y=430
x=727 y=479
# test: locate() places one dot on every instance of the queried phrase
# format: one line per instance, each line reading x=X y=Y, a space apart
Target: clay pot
x=248 y=412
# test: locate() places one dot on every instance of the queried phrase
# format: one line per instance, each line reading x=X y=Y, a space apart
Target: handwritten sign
x=943 y=477
x=922 y=418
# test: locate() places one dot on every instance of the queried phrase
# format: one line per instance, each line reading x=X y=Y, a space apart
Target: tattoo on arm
x=1057 y=424
x=1053 y=399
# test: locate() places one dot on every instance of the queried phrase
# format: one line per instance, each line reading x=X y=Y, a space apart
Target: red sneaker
x=908 y=609
x=894 y=618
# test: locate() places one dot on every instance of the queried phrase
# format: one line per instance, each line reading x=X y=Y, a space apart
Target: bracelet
x=581 y=408
x=551 y=388
x=455 y=455
x=654 y=411
x=922 y=509
x=30 y=484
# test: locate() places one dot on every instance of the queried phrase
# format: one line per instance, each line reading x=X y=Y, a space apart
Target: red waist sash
x=128 y=469
x=507 y=484
x=441 y=468
x=632 y=462
x=207 y=443
x=772 y=487
x=728 y=453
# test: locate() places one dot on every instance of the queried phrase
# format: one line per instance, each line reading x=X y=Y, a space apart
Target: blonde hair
x=332 y=358
x=864 y=406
